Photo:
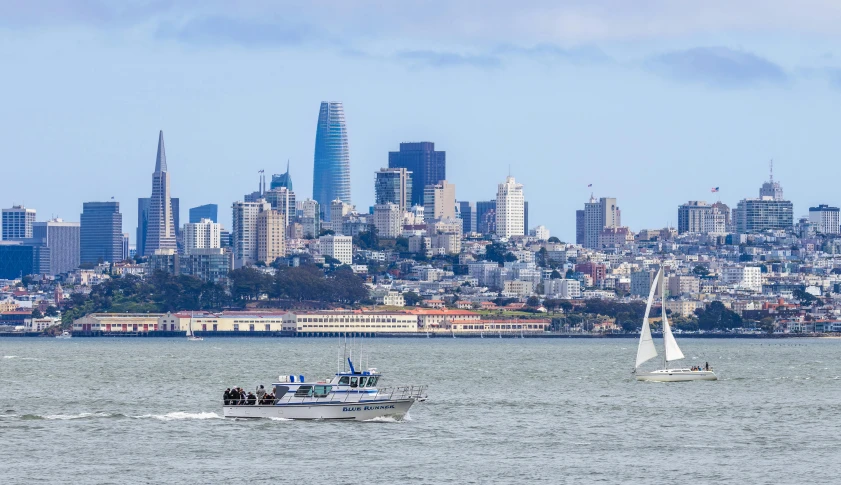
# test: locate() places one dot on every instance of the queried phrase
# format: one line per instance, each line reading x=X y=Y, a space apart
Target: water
x=499 y=411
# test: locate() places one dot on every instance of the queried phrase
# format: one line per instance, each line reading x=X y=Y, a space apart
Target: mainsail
x=646 y=350
x=672 y=350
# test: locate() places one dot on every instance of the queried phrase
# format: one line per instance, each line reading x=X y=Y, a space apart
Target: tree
x=533 y=302
x=498 y=253
x=566 y=306
x=767 y=325
x=701 y=271
x=805 y=299
x=717 y=317
x=555 y=275
x=37 y=313
x=248 y=283
x=326 y=232
x=554 y=239
x=51 y=311
x=368 y=239
x=412 y=298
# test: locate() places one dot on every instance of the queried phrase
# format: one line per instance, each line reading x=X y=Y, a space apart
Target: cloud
x=717 y=67
x=449 y=59
x=218 y=30
x=574 y=55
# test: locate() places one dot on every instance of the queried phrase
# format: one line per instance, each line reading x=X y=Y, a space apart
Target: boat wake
x=174 y=416
x=179 y=415
x=389 y=419
x=67 y=417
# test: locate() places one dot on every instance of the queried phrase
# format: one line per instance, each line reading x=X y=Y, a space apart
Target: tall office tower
x=331 y=170
x=125 y=246
x=160 y=232
x=62 y=238
x=510 y=209
x=486 y=216
x=310 y=217
x=428 y=167
x=825 y=218
x=282 y=200
x=598 y=215
x=770 y=188
x=207 y=211
x=338 y=210
x=101 y=232
x=394 y=185
x=142 y=224
x=204 y=234
x=468 y=216
x=17 y=223
x=271 y=236
x=580 y=230
x=439 y=201
x=282 y=180
x=176 y=218
x=244 y=231
x=388 y=219
x=526 y=214
x=758 y=215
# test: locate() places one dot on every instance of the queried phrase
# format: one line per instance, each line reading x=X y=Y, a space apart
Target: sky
x=652 y=101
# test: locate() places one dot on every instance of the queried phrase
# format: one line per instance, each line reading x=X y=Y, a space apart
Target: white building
x=597 y=215
x=338 y=211
x=743 y=277
x=338 y=247
x=204 y=234
x=439 y=201
x=825 y=219
x=244 y=231
x=388 y=220
x=17 y=223
x=562 y=288
x=510 y=209
x=541 y=233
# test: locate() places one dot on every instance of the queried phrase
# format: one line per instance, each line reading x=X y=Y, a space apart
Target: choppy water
x=500 y=411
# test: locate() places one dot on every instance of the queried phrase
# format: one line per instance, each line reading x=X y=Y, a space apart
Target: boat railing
x=384 y=393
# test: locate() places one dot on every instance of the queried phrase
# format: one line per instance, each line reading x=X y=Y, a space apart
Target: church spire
x=160 y=162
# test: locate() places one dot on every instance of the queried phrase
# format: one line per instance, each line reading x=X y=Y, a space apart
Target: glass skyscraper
x=207 y=211
x=331 y=170
x=428 y=166
x=101 y=232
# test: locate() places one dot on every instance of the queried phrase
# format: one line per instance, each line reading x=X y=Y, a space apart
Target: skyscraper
x=101 y=232
x=510 y=209
x=282 y=180
x=394 y=185
x=62 y=238
x=204 y=234
x=486 y=216
x=825 y=218
x=271 y=236
x=244 y=231
x=17 y=223
x=207 y=211
x=160 y=233
x=598 y=215
x=428 y=166
x=331 y=169
x=142 y=225
x=439 y=201
x=468 y=216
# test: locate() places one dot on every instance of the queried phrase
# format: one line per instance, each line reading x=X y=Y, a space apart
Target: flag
x=714 y=189
x=589 y=185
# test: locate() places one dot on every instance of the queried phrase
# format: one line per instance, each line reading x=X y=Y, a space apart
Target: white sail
x=646 y=350
x=672 y=350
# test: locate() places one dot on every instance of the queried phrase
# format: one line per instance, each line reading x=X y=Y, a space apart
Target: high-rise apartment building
x=207 y=211
x=310 y=217
x=486 y=216
x=388 y=219
x=758 y=215
x=598 y=215
x=439 y=201
x=580 y=227
x=825 y=219
x=160 y=232
x=331 y=170
x=204 y=234
x=394 y=185
x=282 y=199
x=337 y=247
x=692 y=217
x=428 y=167
x=467 y=211
x=271 y=236
x=510 y=209
x=101 y=232
x=338 y=210
x=17 y=223
x=244 y=231
x=62 y=239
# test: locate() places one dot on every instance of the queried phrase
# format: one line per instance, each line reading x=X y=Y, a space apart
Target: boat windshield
x=362 y=381
x=321 y=391
x=303 y=391
x=353 y=382
x=372 y=381
x=344 y=380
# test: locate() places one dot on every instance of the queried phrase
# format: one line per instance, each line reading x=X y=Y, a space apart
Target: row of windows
x=500 y=327
x=355 y=319
x=355 y=326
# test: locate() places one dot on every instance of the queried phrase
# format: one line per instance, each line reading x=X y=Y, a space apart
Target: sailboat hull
x=677 y=375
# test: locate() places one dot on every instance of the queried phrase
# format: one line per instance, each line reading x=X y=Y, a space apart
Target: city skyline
x=621 y=105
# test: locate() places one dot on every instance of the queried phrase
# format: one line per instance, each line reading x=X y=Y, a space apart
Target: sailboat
x=647 y=351
x=190 y=335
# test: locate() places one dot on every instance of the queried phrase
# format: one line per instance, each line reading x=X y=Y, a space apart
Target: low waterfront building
x=499 y=326
x=117 y=322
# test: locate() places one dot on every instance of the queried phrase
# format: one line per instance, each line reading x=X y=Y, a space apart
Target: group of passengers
x=238 y=397
x=699 y=368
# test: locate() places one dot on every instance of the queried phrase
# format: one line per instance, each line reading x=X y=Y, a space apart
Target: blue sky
x=651 y=101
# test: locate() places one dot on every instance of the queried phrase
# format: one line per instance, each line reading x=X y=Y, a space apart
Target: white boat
x=190 y=335
x=65 y=334
x=647 y=351
x=349 y=395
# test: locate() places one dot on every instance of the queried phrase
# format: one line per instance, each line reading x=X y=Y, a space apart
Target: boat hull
x=362 y=411
x=677 y=375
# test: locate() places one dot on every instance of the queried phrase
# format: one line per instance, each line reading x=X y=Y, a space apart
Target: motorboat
x=647 y=351
x=64 y=335
x=350 y=394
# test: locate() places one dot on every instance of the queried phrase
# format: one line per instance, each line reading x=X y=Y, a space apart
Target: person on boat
x=261 y=391
x=226 y=397
x=252 y=399
x=706 y=366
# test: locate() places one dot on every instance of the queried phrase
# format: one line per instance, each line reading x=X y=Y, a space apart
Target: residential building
x=338 y=211
x=641 y=282
x=207 y=211
x=510 y=209
x=207 y=264
x=562 y=288
x=394 y=185
x=337 y=247
x=427 y=166
x=388 y=219
x=331 y=169
x=597 y=271
x=826 y=219
x=683 y=285
x=743 y=277
x=282 y=200
x=598 y=215
x=100 y=233
x=17 y=223
x=310 y=217
x=692 y=217
x=467 y=212
x=271 y=236
x=758 y=215
x=439 y=201
x=541 y=233
x=160 y=232
x=244 y=231
x=63 y=240
x=204 y=234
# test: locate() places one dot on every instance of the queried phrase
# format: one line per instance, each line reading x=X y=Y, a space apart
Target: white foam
x=10 y=356
x=77 y=416
x=179 y=415
x=281 y=419
x=389 y=419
